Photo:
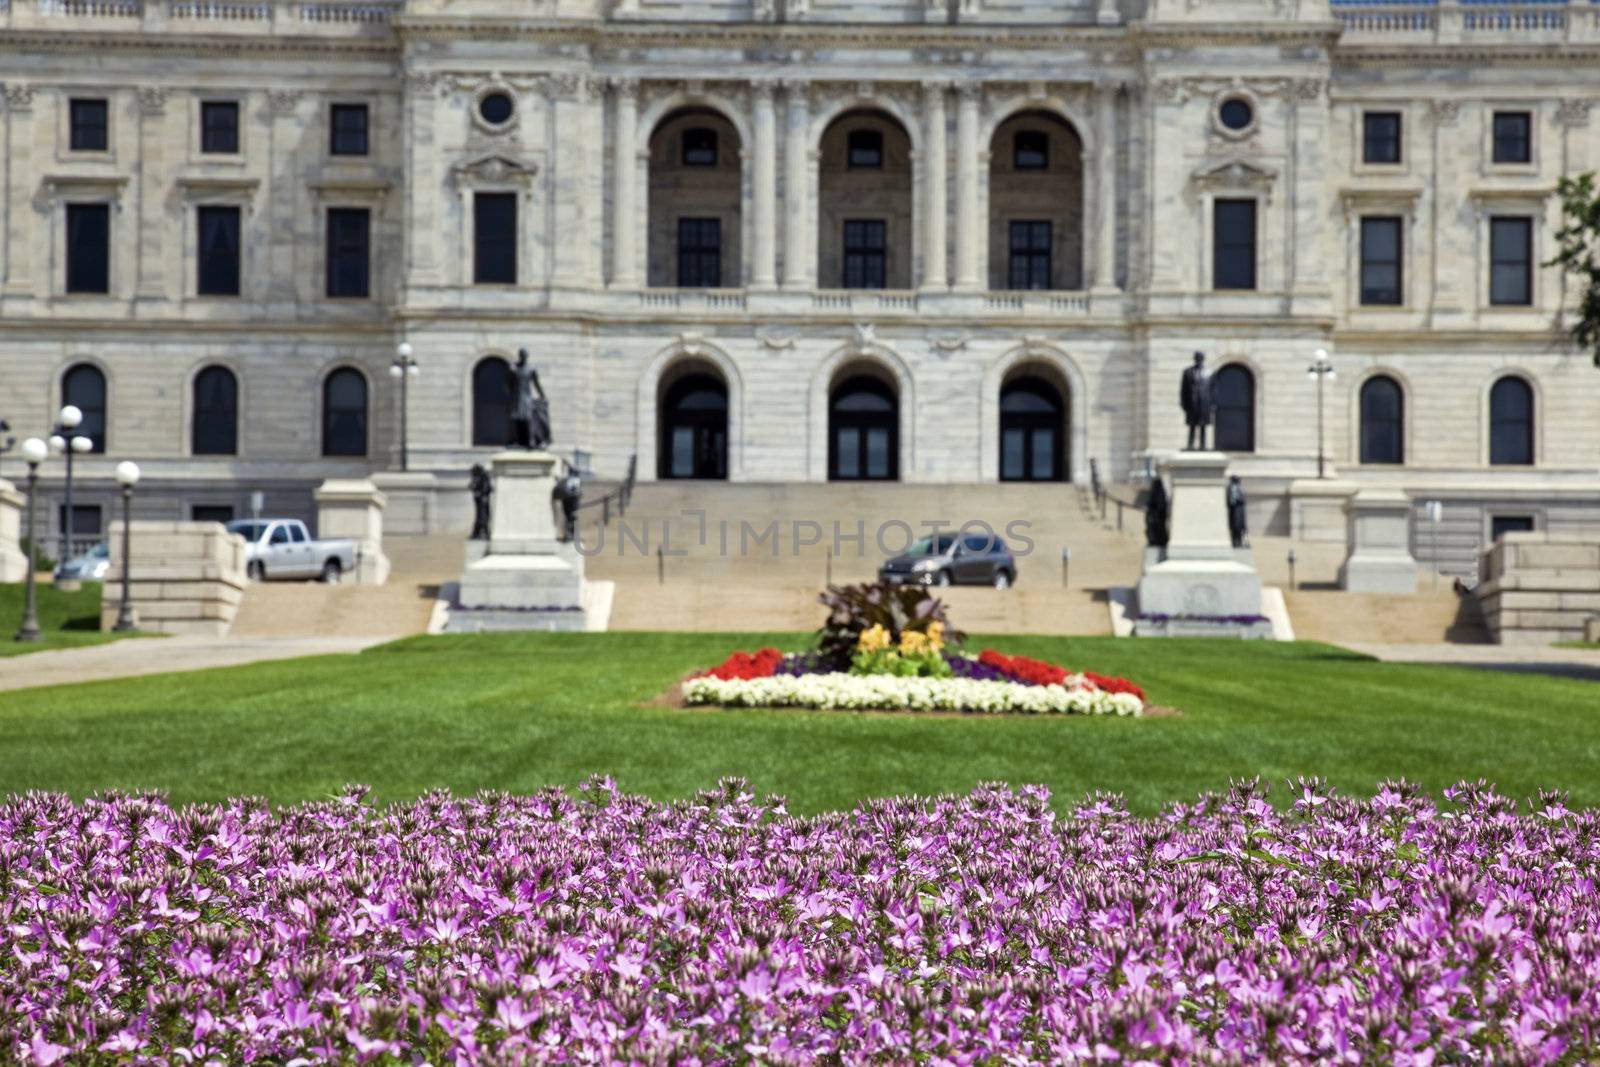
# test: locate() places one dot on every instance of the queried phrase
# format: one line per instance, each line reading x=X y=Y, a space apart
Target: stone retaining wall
x=186 y=577
x=1538 y=588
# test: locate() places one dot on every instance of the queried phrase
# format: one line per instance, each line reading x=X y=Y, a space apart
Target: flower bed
x=886 y=649
x=607 y=928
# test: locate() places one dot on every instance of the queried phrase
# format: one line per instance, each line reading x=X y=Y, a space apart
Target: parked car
x=91 y=566
x=951 y=559
x=281 y=548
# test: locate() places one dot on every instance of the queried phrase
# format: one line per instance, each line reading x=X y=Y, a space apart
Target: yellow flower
x=913 y=643
x=873 y=639
x=936 y=635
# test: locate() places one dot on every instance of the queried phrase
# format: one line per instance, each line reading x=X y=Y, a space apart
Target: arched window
x=694 y=428
x=84 y=387
x=1233 y=391
x=214 y=428
x=1511 y=422
x=1032 y=424
x=863 y=431
x=344 y=413
x=1383 y=409
x=491 y=402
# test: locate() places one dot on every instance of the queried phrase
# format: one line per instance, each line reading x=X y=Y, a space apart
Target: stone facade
x=1140 y=104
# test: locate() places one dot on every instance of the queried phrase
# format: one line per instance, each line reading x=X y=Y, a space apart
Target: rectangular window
x=699 y=253
x=1030 y=255
x=349 y=252
x=1233 y=240
x=219 y=127
x=1381 y=260
x=1500 y=525
x=865 y=253
x=864 y=149
x=494 y=239
x=88 y=248
x=87 y=119
x=1380 y=137
x=86 y=526
x=700 y=147
x=1510 y=260
x=219 y=251
x=1031 y=150
x=222 y=513
x=1513 y=137
x=348 y=129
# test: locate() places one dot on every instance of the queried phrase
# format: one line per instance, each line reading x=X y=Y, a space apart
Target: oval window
x=1236 y=114
x=495 y=109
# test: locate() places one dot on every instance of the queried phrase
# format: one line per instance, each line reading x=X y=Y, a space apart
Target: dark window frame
x=699 y=146
x=1374 y=293
x=1040 y=150
x=218 y=137
x=85 y=131
x=494 y=255
x=1227 y=414
x=349 y=140
x=491 y=402
x=96 y=416
x=864 y=262
x=334 y=426
x=214 y=427
x=1382 y=435
x=348 y=261
x=1380 y=147
x=699 y=252
x=1240 y=274
x=1511 y=145
x=1521 y=261
x=1504 y=450
x=1030 y=263
x=219 y=269
x=88 y=247
x=864 y=149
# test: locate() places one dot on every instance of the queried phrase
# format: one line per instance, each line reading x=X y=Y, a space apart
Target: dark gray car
x=950 y=559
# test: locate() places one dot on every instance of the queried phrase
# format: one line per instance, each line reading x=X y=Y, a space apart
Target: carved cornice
x=1180 y=90
x=1236 y=173
x=494 y=168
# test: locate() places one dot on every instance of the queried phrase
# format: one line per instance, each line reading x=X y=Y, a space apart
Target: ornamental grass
x=601 y=928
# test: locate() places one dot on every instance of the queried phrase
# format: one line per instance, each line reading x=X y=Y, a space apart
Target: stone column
x=798 y=263
x=624 y=173
x=283 y=191
x=424 y=199
x=150 y=281
x=353 y=508
x=935 y=203
x=21 y=256
x=575 y=186
x=1454 y=236
x=969 y=272
x=764 y=189
x=1105 y=192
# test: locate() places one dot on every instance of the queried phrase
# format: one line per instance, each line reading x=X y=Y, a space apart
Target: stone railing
x=891 y=303
x=359 y=17
x=1455 y=22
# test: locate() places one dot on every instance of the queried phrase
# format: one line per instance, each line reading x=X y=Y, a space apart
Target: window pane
x=344 y=414
x=864 y=255
x=84 y=387
x=1013 y=456
x=1234 y=238
x=1380 y=260
x=87 y=119
x=683 y=452
x=88 y=248
x=216 y=413
x=877 y=452
x=865 y=148
x=1511 y=258
x=1044 y=453
x=491 y=402
x=219 y=251
x=700 y=148
x=349 y=129
x=348 y=251
x=1381 y=137
x=1382 y=422
x=1031 y=150
x=699 y=253
x=849 y=449
x=1233 y=390
x=1513 y=137
x=1511 y=422
x=495 y=238
x=219 y=126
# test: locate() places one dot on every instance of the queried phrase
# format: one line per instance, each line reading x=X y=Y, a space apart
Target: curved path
x=163 y=655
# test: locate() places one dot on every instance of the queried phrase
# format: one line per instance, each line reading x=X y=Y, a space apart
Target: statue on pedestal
x=482 y=488
x=1157 y=515
x=530 y=410
x=568 y=492
x=1198 y=404
x=1236 y=511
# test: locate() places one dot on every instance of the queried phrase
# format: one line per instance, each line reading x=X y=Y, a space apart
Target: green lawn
x=518 y=712
x=66 y=619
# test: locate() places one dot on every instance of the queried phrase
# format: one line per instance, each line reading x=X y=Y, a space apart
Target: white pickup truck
x=281 y=548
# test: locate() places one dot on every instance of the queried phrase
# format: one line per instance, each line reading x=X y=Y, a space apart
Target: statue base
x=1199 y=585
x=522 y=578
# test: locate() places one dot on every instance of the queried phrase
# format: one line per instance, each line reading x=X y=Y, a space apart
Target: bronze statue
x=1157 y=515
x=1198 y=404
x=482 y=488
x=1236 y=511
x=530 y=410
x=568 y=492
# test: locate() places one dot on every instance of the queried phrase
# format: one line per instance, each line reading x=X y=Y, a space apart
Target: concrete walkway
x=1580 y=663
x=162 y=655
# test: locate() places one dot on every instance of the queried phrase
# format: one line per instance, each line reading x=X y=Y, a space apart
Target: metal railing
x=618 y=499
x=1103 y=500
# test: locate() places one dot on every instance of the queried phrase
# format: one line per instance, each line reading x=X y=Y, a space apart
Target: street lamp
x=64 y=442
x=403 y=369
x=1320 y=370
x=34 y=452
x=127 y=477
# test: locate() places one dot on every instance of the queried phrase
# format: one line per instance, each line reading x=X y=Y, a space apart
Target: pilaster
x=153 y=172
x=799 y=263
x=1105 y=188
x=969 y=271
x=935 y=202
x=625 y=224
x=764 y=188
x=424 y=194
x=21 y=250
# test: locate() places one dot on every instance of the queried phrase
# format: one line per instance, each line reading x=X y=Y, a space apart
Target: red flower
x=1037 y=672
x=1114 y=685
x=743 y=666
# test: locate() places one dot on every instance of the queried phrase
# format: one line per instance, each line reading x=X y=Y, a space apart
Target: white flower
x=856 y=692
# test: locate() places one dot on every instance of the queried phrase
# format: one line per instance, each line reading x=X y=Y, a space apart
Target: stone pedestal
x=1316 y=509
x=413 y=502
x=185 y=577
x=1199 y=585
x=1378 y=540
x=13 y=564
x=522 y=578
x=353 y=508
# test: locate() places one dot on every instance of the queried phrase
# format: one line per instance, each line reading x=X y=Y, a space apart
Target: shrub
x=853 y=609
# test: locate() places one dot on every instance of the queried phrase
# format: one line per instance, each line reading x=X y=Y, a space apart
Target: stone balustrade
x=1452 y=22
x=267 y=17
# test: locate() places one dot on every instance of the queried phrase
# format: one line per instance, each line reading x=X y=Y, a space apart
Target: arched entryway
x=863 y=428
x=865 y=196
x=696 y=176
x=1033 y=429
x=693 y=413
x=491 y=402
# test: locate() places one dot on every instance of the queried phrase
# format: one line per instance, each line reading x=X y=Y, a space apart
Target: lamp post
x=127 y=477
x=1321 y=370
x=403 y=369
x=64 y=442
x=34 y=452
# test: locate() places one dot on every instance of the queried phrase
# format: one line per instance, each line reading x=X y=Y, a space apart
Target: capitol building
x=783 y=241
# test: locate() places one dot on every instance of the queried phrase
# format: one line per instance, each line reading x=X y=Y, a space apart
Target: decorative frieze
x=1574 y=112
x=152 y=100
x=283 y=102
x=19 y=96
x=1445 y=112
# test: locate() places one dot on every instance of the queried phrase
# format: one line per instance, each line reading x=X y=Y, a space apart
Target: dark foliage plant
x=1578 y=245
x=897 y=608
